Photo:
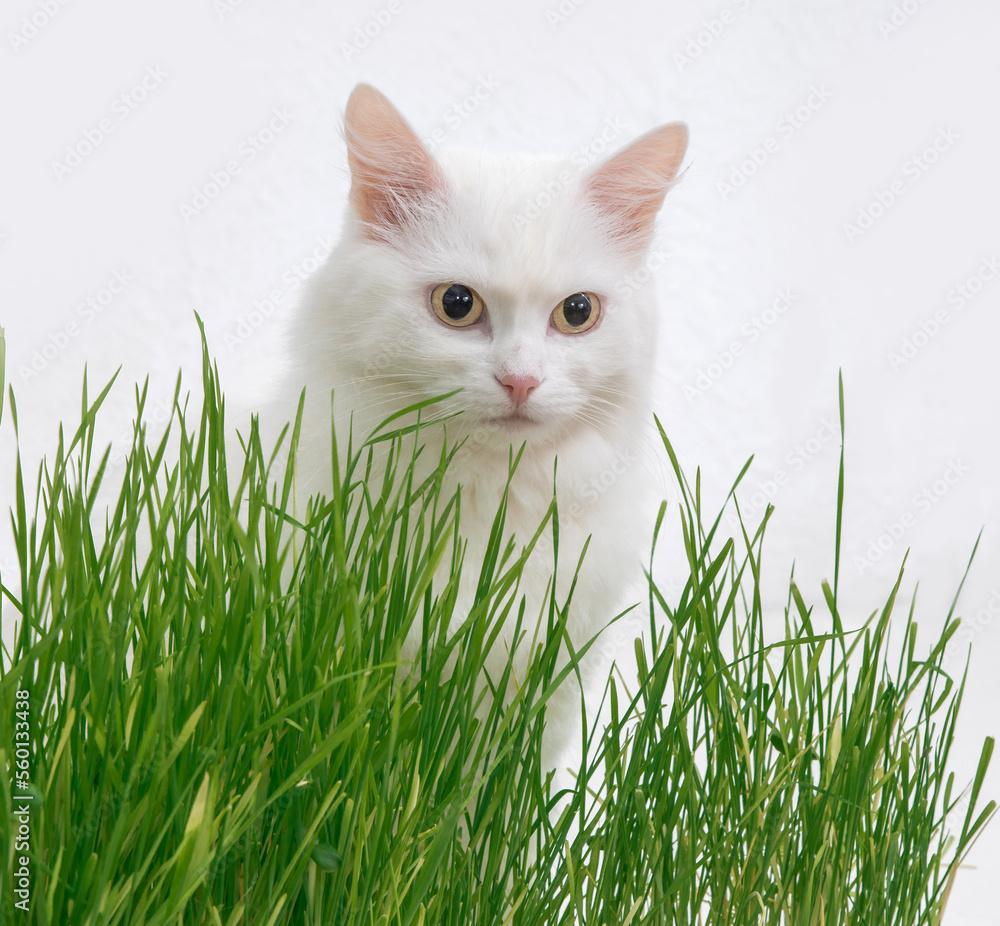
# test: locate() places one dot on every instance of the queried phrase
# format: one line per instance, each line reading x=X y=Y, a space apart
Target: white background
x=814 y=109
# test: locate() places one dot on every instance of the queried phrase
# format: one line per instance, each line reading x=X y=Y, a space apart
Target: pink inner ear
x=630 y=186
x=392 y=174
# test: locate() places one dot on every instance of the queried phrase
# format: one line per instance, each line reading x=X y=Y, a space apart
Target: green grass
x=221 y=731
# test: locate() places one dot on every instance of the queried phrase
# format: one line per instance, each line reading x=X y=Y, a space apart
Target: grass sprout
x=223 y=730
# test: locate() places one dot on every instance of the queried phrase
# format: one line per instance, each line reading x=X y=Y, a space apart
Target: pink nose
x=518 y=387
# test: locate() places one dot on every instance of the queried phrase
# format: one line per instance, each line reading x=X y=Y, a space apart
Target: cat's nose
x=518 y=387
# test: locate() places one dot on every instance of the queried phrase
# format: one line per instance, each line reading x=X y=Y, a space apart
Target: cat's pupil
x=457 y=301
x=577 y=309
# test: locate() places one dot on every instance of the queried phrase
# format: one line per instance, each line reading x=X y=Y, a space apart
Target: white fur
x=367 y=330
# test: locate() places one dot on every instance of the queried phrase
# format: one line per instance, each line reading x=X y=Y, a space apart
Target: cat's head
x=507 y=278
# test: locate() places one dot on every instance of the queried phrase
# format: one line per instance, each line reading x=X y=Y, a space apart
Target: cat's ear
x=393 y=176
x=630 y=186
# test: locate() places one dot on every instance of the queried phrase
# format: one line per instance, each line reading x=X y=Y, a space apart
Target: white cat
x=502 y=277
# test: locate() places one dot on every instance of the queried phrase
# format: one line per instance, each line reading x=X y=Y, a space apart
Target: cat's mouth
x=513 y=420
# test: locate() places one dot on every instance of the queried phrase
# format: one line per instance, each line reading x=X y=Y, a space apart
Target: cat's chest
x=610 y=524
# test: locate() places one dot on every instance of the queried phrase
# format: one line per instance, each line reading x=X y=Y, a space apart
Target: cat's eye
x=577 y=313
x=456 y=305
